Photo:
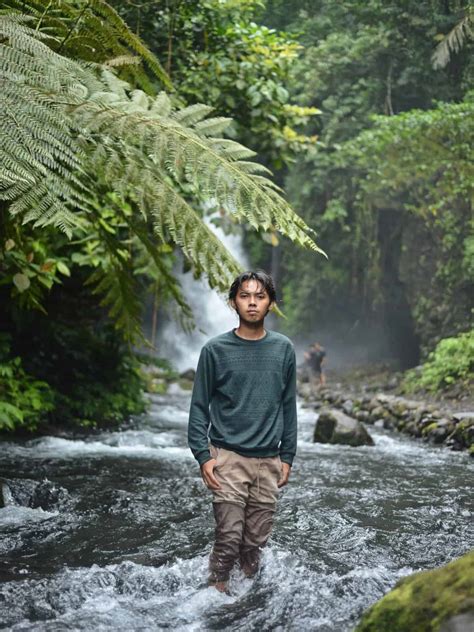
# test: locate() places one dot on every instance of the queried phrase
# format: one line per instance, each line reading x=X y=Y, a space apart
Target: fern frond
x=122 y=60
x=113 y=280
x=111 y=17
x=116 y=286
x=92 y=31
x=213 y=126
x=186 y=155
x=78 y=130
x=453 y=42
x=232 y=149
x=193 y=114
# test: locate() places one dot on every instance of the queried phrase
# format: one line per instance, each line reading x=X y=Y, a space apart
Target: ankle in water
x=222 y=587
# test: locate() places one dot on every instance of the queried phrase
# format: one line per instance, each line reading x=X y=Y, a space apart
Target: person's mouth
x=252 y=311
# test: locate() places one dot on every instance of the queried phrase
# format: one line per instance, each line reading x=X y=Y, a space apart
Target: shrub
x=24 y=400
x=450 y=363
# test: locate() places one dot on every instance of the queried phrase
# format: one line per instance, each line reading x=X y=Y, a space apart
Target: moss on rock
x=186 y=385
x=423 y=601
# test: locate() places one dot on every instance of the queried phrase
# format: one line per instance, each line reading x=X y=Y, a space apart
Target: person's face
x=252 y=302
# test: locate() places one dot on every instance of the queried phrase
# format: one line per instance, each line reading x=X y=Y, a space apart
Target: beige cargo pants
x=244 y=508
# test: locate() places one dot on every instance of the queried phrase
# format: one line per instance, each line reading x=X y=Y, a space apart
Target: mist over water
x=122 y=539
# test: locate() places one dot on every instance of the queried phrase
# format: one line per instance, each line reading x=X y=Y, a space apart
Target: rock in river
x=333 y=426
x=437 y=600
x=6 y=497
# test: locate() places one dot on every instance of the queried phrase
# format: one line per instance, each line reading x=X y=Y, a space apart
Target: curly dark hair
x=258 y=275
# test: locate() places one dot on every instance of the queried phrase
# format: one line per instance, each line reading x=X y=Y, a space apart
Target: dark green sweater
x=245 y=390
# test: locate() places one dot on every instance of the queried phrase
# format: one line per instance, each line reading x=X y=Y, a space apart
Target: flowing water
x=117 y=535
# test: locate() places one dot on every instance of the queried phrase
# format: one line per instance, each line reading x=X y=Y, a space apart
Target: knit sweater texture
x=244 y=397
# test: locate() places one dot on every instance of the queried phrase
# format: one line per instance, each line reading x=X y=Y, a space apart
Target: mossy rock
x=427 y=429
x=399 y=409
x=334 y=426
x=157 y=386
x=186 y=385
x=425 y=601
x=464 y=432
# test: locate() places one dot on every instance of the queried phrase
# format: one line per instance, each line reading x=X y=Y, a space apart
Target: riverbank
x=374 y=396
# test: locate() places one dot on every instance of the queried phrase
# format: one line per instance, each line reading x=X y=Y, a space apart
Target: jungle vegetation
x=123 y=123
x=389 y=186
x=105 y=171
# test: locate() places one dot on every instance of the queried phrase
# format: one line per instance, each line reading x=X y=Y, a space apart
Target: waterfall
x=211 y=313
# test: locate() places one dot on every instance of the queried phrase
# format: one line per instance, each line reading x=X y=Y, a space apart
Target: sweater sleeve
x=288 y=440
x=199 y=416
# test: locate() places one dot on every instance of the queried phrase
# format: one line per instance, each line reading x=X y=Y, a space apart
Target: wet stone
x=48 y=496
x=348 y=406
x=333 y=426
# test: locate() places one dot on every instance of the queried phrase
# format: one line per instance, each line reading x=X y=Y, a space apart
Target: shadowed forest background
x=110 y=176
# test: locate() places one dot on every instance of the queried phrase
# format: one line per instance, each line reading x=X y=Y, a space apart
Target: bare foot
x=221 y=587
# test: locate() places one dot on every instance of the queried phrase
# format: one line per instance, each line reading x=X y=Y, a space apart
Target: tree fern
x=70 y=129
x=93 y=31
x=454 y=41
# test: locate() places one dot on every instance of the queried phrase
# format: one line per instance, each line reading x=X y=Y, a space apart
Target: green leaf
x=63 y=268
x=21 y=281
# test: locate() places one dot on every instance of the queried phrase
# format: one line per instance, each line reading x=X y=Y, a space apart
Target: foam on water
x=112 y=445
x=15 y=515
x=169 y=414
x=140 y=438
x=285 y=595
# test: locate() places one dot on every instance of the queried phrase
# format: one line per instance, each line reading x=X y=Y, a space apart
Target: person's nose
x=252 y=302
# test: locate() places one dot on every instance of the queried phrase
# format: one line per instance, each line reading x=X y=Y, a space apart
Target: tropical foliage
x=78 y=125
x=103 y=174
x=421 y=163
x=23 y=399
x=217 y=54
x=451 y=362
x=393 y=207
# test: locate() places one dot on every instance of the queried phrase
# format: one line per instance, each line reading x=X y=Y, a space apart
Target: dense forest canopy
x=124 y=123
x=389 y=185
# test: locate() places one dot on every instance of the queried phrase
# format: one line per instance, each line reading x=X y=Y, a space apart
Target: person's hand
x=207 y=473
x=285 y=474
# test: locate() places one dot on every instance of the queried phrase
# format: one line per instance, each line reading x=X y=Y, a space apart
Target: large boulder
x=440 y=600
x=334 y=426
x=189 y=374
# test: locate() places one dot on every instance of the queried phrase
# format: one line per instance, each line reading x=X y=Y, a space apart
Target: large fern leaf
x=93 y=31
x=69 y=130
x=454 y=41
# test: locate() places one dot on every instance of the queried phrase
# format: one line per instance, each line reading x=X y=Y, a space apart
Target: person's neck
x=250 y=332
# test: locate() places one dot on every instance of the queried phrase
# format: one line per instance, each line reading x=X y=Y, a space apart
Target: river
x=121 y=539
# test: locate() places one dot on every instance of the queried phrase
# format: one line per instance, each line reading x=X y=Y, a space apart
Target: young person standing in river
x=242 y=426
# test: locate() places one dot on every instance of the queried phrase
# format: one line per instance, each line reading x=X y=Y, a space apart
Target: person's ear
x=271 y=307
x=232 y=304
